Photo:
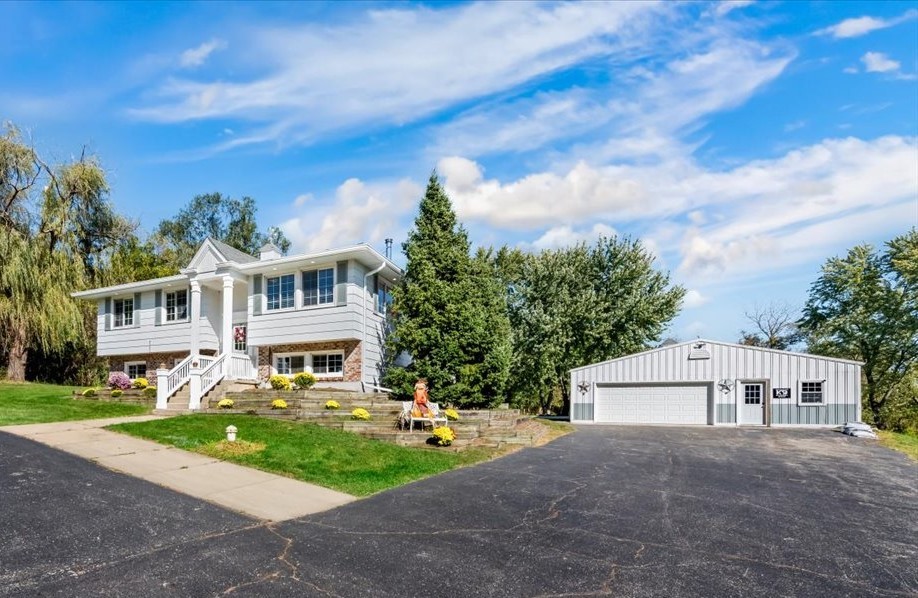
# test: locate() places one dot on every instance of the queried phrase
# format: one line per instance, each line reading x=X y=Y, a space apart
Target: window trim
x=127 y=365
x=334 y=286
x=822 y=388
x=115 y=325
x=379 y=304
x=268 y=308
x=307 y=363
x=165 y=306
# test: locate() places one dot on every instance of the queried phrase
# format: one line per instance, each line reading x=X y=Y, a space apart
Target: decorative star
x=583 y=387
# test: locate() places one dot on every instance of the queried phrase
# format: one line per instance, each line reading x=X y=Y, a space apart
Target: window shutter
x=341 y=286
x=107 y=313
x=375 y=297
x=136 y=310
x=158 y=304
x=256 y=294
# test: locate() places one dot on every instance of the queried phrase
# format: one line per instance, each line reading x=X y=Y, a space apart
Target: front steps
x=178 y=403
x=488 y=428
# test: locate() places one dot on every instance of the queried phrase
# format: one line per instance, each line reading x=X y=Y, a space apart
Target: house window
x=811 y=393
x=383 y=298
x=328 y=364
x=176 y=306
x=290 y=364
x=135 y=369
x=280 y=292
x=239 y=338
x=319 y=286
x=124 y=312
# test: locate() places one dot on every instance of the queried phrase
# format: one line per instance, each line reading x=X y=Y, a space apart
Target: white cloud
x=396 y=65
x=301 y=199
x=851 y=70
x=793 y=126
x=859 y=26
x=693 y=299
x=195 y=57
x=878 y=62
x=759 y=204
x=565 y=236
x=723 y=7
x=361 y=212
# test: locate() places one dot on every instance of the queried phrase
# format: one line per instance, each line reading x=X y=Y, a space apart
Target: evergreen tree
x=448 y=313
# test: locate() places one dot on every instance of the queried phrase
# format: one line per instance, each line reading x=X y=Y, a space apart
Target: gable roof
x=722 y=343
x=231 y=253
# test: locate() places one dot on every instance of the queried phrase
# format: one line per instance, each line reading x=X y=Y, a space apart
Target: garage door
x=657 y=404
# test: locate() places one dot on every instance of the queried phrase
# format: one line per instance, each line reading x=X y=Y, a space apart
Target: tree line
x=60 y=233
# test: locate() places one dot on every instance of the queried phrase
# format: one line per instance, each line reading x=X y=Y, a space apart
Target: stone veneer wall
x=352 y=357
x=154 y=360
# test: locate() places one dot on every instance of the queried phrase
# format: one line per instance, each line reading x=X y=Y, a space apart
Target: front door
x=753 y=406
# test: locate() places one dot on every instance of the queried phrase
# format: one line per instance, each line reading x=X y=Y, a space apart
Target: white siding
x=736 y=363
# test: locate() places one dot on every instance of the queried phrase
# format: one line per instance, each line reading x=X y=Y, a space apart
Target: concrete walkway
x=249 y=491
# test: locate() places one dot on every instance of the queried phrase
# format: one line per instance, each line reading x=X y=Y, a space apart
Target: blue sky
x=743 y=142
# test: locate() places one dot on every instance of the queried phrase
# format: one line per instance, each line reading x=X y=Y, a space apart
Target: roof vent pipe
x=389 y=249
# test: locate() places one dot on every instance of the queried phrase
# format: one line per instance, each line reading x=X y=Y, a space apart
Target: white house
x=717 y=383
x=230 y=315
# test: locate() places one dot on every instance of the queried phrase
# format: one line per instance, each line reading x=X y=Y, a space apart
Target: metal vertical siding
x=736 y=363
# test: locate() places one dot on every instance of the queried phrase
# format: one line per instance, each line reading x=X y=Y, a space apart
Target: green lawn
x=906 y=443
x=31 y=403
x=331 y=458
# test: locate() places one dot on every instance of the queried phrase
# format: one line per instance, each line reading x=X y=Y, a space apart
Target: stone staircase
x=488 y=428
x=178 y=403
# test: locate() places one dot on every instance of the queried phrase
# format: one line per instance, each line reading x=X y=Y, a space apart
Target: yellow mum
x=361 y=414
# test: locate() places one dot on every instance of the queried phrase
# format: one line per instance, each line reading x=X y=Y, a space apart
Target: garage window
x=811 y=393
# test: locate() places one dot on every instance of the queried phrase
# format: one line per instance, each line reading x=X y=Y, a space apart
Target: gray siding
x=736 y=363
x=146 y=337
x=322 y=323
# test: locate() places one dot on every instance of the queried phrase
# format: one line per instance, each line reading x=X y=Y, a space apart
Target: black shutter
x=158 y=304
x=341 y=286
x=107 y=313
x=376 y=302
x=256 y=295
x=136 y=310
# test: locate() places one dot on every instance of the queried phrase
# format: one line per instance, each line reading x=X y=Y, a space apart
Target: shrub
x=140 y=383
x=225 y=404
x=304 y=380
x=444 y=435
x=332 y=405
x=119 y=380
x=150 y=392
x=451 y=414
x=117 y=393
x=279 y=382
x=361 y=414
x=278 y=404
x=89 y=392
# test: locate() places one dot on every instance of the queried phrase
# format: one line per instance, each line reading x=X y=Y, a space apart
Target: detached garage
x=705 y=382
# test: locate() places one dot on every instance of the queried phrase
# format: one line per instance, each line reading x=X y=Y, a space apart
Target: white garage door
x=657 y=404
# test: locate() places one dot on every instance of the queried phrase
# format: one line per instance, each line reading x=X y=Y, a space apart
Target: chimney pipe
x=388 y=249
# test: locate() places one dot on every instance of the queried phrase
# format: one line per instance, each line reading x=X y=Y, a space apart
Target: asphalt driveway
x=623 y=511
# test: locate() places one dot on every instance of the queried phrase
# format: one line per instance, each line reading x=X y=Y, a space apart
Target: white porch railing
x=209 y=371
x=240 y=367
x=211 y=375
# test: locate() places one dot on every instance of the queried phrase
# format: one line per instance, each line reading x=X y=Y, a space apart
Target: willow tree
x=56 y=229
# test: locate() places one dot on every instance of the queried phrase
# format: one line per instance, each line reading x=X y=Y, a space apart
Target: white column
x=162 y=381
x=226 y=341
x=195 y=317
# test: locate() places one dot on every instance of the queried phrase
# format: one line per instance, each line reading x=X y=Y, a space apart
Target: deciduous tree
x=865 y=306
